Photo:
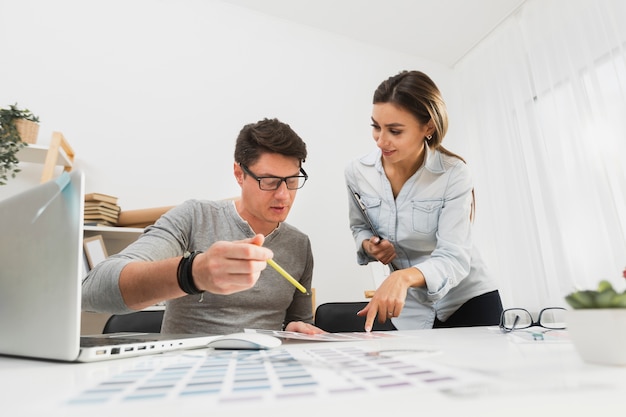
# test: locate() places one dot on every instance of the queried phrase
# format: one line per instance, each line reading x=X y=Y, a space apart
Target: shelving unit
x=115 y=238
x=37 y=154
x=58 y=153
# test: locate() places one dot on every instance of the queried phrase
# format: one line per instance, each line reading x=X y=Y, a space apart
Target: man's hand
x=230 y=267
x=302 y=327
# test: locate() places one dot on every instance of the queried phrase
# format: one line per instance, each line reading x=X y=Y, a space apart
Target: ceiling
x=442 y=31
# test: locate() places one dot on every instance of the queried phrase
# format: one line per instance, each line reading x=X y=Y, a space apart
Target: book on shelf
x=90 y=205
x=101 y=217
x=101 y=197
x=98 y=223
x=98 y=210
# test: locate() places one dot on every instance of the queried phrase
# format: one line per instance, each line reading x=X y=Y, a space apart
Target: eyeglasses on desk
x=552 y=318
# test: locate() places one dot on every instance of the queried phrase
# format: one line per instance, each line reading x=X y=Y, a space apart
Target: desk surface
x=469 y=371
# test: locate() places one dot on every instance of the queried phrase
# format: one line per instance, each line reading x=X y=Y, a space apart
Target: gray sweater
x=195 y=225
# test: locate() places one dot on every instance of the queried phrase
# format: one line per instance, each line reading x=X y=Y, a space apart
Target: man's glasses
x=552 y=318
x=272 y=183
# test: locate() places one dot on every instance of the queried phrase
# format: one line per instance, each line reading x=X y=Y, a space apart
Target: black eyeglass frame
x=282 y=179
x=532 y=323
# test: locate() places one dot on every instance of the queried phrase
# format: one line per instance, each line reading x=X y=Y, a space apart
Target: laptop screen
x=40 y=256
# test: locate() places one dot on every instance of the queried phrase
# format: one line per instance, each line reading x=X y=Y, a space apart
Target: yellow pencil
x=285 y=274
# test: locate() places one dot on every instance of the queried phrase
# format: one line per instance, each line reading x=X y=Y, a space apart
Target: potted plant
x=18 y=127
x=597 y=324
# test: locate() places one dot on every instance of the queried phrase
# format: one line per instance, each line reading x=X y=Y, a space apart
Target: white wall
x=151 y=95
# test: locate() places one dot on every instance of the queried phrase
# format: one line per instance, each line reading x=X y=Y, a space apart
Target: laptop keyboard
x=94 y=341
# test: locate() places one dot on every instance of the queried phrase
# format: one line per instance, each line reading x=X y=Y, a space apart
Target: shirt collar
x=434 y=160
x=245 y=226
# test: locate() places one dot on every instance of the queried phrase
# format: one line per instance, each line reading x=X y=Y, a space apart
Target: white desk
x=494 y=377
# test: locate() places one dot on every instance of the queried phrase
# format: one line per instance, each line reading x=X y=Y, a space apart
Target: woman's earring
x=429 y=137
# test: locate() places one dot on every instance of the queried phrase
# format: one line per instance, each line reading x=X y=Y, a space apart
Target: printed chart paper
x=223 y=378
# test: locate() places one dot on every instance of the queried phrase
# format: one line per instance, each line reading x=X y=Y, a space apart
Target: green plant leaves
x=604 y=297
x=10 y=141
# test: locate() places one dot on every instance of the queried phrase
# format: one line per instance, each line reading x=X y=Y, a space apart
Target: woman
x=420 y=199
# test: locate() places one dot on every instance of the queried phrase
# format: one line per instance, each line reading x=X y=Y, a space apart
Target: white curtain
x=544 y=126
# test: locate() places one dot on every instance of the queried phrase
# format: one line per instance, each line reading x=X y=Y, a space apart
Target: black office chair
x=148 y=321
x=340 y=317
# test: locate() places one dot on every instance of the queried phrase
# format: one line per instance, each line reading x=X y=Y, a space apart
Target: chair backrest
x=148 y=321
x=338 y=317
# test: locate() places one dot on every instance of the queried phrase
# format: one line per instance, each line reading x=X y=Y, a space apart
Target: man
x=208 y=259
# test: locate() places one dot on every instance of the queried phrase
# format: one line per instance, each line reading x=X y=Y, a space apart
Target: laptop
x=41 y=264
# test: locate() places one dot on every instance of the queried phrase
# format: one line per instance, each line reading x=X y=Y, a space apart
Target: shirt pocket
x=372 y=209
x=426 y=215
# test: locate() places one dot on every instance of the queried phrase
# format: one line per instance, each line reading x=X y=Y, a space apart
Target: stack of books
x=101 y=210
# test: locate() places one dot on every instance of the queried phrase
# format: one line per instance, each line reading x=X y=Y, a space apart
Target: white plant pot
x=599 y=335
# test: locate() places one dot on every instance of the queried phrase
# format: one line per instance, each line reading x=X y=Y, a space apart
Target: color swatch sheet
x=233 y=377
x=326 y=337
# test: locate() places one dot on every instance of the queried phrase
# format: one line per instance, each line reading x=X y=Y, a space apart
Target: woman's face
x=398 y=134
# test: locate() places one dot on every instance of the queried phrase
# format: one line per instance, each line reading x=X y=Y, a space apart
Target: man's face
x=262 y=209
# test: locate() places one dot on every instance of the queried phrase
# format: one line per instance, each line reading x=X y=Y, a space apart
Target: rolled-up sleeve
x=100 y=289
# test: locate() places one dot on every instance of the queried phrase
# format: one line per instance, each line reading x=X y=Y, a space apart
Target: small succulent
x=604 y=297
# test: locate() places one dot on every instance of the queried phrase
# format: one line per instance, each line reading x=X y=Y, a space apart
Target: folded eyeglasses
x=552 y=318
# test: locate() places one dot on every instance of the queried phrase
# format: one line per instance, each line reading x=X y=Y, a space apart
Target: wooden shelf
x=58 y=153
x=115 y=238
x=114 y=233
x=37 y=154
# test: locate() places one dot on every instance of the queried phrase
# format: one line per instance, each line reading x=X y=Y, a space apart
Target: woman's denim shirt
x=430 y=227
